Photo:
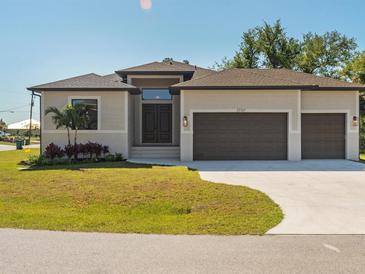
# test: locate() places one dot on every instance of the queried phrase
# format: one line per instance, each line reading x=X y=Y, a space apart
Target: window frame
x=98 y=100
x=156 y=100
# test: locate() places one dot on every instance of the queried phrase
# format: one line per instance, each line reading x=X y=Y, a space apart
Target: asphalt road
x=12 y=147
x=26 y=251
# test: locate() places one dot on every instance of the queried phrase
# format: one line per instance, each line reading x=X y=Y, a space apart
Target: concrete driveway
x=316 y=196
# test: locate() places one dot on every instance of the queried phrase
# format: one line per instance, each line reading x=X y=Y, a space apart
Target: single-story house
x=175 y=110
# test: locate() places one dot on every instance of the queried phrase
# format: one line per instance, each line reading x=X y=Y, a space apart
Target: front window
x=90 y=112
x=156 y=94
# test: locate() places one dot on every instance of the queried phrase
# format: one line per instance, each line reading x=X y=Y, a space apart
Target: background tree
x=355 y=69
x=278 y=50
x=264 y=47
x=325 y=54
x=269 y=46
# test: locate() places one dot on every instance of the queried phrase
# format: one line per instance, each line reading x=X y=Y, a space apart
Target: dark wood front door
x=156 y=123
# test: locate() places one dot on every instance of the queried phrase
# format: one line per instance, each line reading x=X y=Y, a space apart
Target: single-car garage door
x=240 y=136
x=323 y=135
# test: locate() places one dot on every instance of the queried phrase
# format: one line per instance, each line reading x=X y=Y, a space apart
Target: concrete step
x=155 y=152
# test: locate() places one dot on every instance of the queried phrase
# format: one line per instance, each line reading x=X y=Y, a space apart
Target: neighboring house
x=175 y=110
x=25 y=124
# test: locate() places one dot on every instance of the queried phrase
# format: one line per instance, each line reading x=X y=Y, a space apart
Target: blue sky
x=47 y=40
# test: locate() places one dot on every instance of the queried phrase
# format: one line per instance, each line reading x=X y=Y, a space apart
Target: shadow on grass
x=81 y=166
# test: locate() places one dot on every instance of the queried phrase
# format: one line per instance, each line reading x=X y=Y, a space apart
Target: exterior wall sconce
x=185 y=121
x=354 y=121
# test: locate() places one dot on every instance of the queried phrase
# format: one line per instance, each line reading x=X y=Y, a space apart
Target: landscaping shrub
x=91 y=152
x=110 y=158
x=119 y=157
x=92 y=149
x=70 y=150
x=52 y=151
x=105 y=150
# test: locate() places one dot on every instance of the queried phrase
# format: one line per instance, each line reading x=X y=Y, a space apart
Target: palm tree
x=61 y=118
x=78 y=115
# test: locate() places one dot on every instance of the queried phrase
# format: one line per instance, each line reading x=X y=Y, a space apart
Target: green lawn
x=362 y=157
x=128 y=198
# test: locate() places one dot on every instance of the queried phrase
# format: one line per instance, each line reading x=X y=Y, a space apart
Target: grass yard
x=128 y=198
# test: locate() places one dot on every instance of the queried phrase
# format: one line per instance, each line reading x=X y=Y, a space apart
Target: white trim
x=98 y=98
x=56 y=131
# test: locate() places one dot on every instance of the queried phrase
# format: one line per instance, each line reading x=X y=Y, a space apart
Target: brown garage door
x=240 y=136
x=323 y=136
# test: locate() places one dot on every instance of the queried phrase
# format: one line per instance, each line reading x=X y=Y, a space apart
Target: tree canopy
x=269 y=46
x=355 y=69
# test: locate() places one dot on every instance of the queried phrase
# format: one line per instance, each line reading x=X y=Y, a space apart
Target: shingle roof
x=89 y=81
x=164 y=66
x=202 y=72
x=265 y=78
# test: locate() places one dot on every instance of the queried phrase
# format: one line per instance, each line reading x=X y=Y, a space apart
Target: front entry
x=157 y=123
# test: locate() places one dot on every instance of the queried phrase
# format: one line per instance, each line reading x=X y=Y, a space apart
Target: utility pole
x=30 y=117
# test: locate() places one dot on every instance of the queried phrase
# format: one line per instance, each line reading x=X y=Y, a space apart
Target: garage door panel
x=240 y=136
x=323 y=135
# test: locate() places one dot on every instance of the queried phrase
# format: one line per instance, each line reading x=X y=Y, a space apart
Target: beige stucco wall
x=112 y=119
x=336 y=102
x=291 y=101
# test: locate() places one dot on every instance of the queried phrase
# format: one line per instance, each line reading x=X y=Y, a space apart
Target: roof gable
x=160 y=67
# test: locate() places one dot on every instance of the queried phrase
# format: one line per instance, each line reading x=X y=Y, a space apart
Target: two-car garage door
x=263 y=136
x=240 y=136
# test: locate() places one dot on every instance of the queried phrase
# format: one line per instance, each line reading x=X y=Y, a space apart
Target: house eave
x=176 y=90
x=130 y=90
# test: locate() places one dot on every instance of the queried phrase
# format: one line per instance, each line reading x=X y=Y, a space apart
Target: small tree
x=2 y=124
x=60 y=118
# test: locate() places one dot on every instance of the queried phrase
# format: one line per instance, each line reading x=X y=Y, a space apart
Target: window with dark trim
x=89 y=110
x=156 y=94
